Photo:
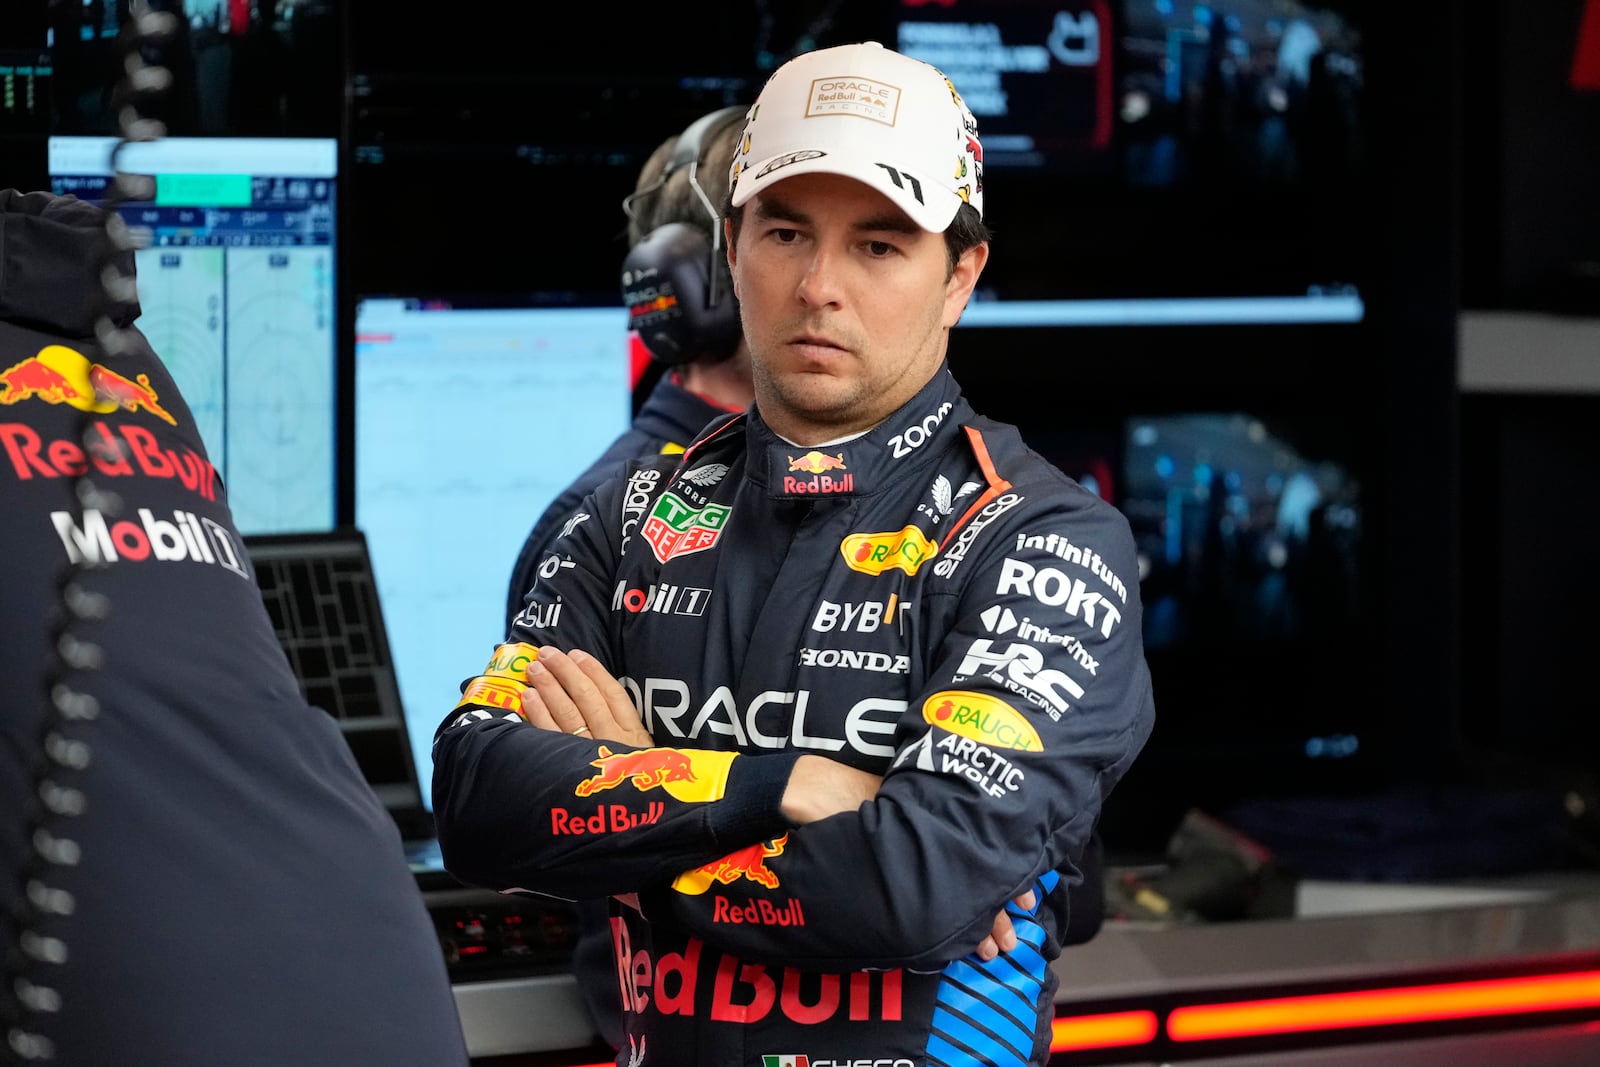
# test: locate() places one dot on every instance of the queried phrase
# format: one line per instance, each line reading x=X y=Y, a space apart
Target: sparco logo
x=958 y=551
x=635 y=501
x=186 y=536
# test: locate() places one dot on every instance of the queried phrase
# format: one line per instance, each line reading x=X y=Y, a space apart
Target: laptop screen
x=471 y=415
x=239 y=297
x=323 y=602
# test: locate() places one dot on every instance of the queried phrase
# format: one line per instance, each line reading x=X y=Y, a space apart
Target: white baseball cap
x=868 y=113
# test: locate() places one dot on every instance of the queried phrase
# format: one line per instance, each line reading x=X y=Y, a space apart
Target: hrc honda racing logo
x=185 y=537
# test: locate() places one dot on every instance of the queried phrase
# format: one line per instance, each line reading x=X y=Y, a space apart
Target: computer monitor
x=471 y=415
x=1160 y=150
x=238 y=286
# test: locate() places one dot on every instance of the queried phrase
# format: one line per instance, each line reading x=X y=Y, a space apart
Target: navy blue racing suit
x=932 y=602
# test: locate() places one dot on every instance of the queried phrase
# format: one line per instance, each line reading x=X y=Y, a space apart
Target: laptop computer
x=322 y=597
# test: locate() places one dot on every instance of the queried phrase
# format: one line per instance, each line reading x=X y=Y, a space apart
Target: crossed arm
x=574 y=693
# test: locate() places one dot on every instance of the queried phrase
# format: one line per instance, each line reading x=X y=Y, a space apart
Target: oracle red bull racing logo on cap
x=62 y=375
x=908 y=549
x=686 y=776
x=982 y=718
x=749 y=862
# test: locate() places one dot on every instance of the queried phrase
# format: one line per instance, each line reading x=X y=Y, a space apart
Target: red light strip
x=1327 y=1011
x=1103 y=1031
x=1382 y=1007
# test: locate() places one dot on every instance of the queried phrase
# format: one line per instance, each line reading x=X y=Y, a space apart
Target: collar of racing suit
x=862 y=466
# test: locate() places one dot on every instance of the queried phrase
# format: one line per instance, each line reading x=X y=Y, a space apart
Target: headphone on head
x=675 y=280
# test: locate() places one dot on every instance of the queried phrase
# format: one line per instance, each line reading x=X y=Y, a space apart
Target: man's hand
x=572 y=693
x=819 y=787
x=1002 y=936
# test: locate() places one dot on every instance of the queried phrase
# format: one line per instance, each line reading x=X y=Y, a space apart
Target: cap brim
x=929 y=204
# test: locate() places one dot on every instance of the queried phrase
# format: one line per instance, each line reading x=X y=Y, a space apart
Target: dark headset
x=675 y=280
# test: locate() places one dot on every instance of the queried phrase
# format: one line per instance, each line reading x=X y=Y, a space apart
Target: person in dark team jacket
x=704 y=362
x=240 y=896
x=705 y=373
x=828 y=703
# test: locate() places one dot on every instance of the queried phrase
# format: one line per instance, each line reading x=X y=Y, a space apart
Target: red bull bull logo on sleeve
x=686 y=776
x=749 y=862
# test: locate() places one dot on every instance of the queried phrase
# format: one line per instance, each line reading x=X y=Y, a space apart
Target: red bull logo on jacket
x=815 y=462
x=62 y=375
x=743 y=991
x=129 y=451
x=686 y=776
x=749 y=862
x=824 y=478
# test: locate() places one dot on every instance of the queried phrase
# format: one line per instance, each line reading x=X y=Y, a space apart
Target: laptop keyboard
x=325 y=611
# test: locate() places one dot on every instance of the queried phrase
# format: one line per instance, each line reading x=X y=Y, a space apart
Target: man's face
x=845 y=304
